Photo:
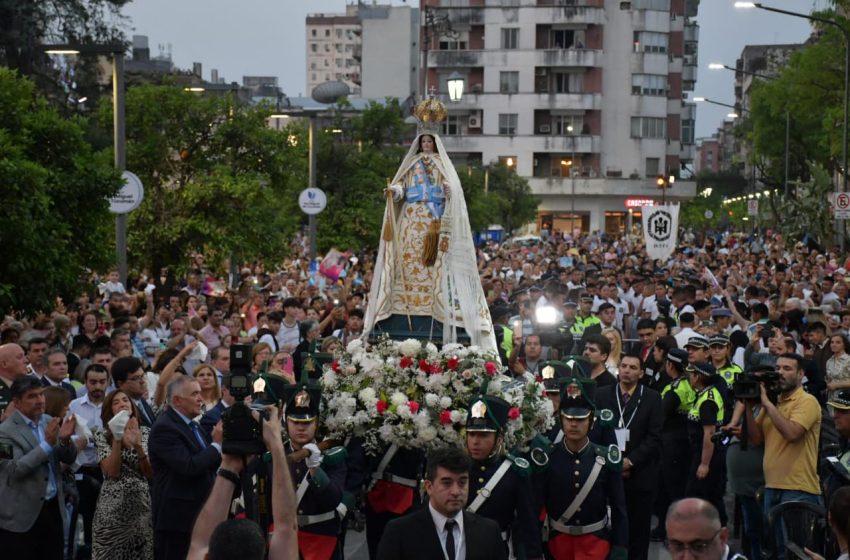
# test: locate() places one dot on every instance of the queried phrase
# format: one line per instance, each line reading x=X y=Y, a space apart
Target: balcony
x=587 y=15
x=523 y=143
x=607 y=186
x=687 y=152
x=495 y=58
x=463 y=16
x=689 y=73
x=474 y=101
x=692 y=33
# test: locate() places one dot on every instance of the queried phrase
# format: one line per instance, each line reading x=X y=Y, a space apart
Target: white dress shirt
x=440 y=524
x=90 y=412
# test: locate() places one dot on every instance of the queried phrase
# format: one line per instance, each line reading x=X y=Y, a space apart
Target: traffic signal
x=661 y=182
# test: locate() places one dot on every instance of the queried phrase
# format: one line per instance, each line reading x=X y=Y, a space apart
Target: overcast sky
x=266 y=37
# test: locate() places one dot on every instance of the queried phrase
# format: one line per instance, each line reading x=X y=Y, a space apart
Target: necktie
x=143 y=409
x=198 y=435
x=625 y=399
x=450 y=538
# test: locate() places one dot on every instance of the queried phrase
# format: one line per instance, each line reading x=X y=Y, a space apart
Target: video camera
x=242 y=435
x=721 y=438
x=552 y=332
x=746 y=386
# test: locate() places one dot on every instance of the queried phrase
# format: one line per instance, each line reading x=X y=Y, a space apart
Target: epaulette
x=520 y=465
x=334 y=456
x=612 y=455
x=606 y=417
x=541 y=447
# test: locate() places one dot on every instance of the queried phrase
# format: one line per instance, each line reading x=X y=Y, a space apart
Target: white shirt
x=460 y=539
x=683 y=336
x=90 y=412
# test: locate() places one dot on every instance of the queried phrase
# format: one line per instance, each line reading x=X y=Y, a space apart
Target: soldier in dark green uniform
x=499 y=483
x=582 y=482
x=707 y=471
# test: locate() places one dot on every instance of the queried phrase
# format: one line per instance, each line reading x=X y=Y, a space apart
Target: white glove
x=315 y=458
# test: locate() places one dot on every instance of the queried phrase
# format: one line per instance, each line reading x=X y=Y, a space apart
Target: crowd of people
x=724 y=370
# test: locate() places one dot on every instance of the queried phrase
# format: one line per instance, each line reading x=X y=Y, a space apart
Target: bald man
x=693 y=525
x=13 y=364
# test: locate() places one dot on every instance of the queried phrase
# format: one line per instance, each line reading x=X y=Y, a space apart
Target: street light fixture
x=195 y=89
x=455 y=84
x=116 y=51
x=732 y=115
x=846 y=34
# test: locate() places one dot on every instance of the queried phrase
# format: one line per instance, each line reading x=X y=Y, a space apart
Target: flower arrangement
x=415 y=395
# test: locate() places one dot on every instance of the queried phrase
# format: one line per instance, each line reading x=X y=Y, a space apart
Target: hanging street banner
x=660 y=229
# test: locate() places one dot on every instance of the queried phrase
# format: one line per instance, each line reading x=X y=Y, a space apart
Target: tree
x=56 y=219
x=217 y=178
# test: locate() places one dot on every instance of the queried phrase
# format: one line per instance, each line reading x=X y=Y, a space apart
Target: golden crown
x=430 y=112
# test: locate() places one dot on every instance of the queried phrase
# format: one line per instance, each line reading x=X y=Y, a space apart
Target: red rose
x=452 y=363
x=513 y=413
x=539 y=378
x=413 y=406
x=406 y=362
x=335 y=366
x=435 y=368
x=424 y=365
x=445 y=417
x=490 y=368
x=381 y=406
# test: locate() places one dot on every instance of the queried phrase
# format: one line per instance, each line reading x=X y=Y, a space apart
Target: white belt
x=305 y=520
x=577 y=529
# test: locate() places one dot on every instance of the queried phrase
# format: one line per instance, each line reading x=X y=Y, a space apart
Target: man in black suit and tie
x=638 y=419
x=56 y=372
x=184 y=464
x=129 y=376
x=443 y=529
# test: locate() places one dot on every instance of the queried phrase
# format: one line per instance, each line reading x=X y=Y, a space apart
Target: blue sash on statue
x=423 y=191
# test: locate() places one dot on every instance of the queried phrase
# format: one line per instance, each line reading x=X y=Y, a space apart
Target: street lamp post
x=846 y=35
x=116 y=51
x=572 y=180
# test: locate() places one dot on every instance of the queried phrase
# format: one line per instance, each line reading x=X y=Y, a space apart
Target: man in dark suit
x=32 y=499
x=56 y=372
x=184 y=464
x=443 y=529
x=129 y=376
x=638 y=419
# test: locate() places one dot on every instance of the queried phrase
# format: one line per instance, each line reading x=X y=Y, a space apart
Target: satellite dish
x=329 y=92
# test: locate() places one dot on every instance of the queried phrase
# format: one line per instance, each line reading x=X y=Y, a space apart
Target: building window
x=327 y=48
x=561 y=38
x=451 y=126
x=507 y=123
x=657 y=5
x=510 y=37
x=561 y=125
x=313 y=47
x=649 y=127
x=452 y=45
x=312 y=66
x=313 y=33
x=687 y=131
x=327 y=32
x=647 y=41
x=652 y=166
x=566 y=82
x=649 y=84
x=314 y=76
x=509 y=82
x=339 y=33
x=339 y=63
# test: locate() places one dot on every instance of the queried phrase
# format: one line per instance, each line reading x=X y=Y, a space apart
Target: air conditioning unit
x=544 y=129
x=474 y=120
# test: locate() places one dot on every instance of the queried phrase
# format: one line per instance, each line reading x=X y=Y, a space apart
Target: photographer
x=243 y=539
x=766 y=335
x=790 y=431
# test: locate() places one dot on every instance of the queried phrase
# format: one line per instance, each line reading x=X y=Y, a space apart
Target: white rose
x=367 y=395
x=431 y=349
x=428 y=433
x=457 y=416
x=354 y=346
x=410 y=347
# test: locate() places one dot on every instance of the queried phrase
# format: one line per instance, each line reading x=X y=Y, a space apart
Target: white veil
x=460 y=278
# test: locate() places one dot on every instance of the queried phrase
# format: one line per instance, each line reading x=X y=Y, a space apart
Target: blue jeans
x=752 y=517
x=775 y=496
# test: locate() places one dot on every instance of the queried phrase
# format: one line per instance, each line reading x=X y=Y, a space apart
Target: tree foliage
x=216 y=178
x=56 y=219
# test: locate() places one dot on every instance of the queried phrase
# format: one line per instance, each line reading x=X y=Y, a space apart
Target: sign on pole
x=753 y=207
x=660 y=230
x=841 y=205
x=129 y=197
x=312 y=201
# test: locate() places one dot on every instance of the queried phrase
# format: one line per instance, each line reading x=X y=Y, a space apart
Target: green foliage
x=217 y=179
x=55 y=187
x=808 y=211
x=508 y=201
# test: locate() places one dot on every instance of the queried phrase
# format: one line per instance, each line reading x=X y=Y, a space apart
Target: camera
x=746 y=386
x=242 y=435
x=721 y=438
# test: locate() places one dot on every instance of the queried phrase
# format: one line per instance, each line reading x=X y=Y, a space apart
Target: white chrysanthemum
x=403 y=412
x=355 y=346
x=398 y=398
x=367 y=395
x=410 y=347
x=428 y=433
x=421 y=419
x=386 y=432
x=445 y=402
x=329 y=379
x=432 y=399
x=432 y=350
x=457 y=416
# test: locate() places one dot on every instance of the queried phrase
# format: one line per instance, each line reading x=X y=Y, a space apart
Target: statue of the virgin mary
x=426 y=277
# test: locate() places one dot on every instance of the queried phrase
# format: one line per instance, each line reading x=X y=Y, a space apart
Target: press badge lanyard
x=620 y=408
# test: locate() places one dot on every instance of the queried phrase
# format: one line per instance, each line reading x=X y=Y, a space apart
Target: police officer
x=583 y=480
x=499 y=483
x=676 y=401
x=319 y=477
x=585 y=323
x=840 y=465
x=718 y=348
x=707 y=470
x=504 y=334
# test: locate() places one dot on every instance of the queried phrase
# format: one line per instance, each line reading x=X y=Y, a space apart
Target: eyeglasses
x=697 y=547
